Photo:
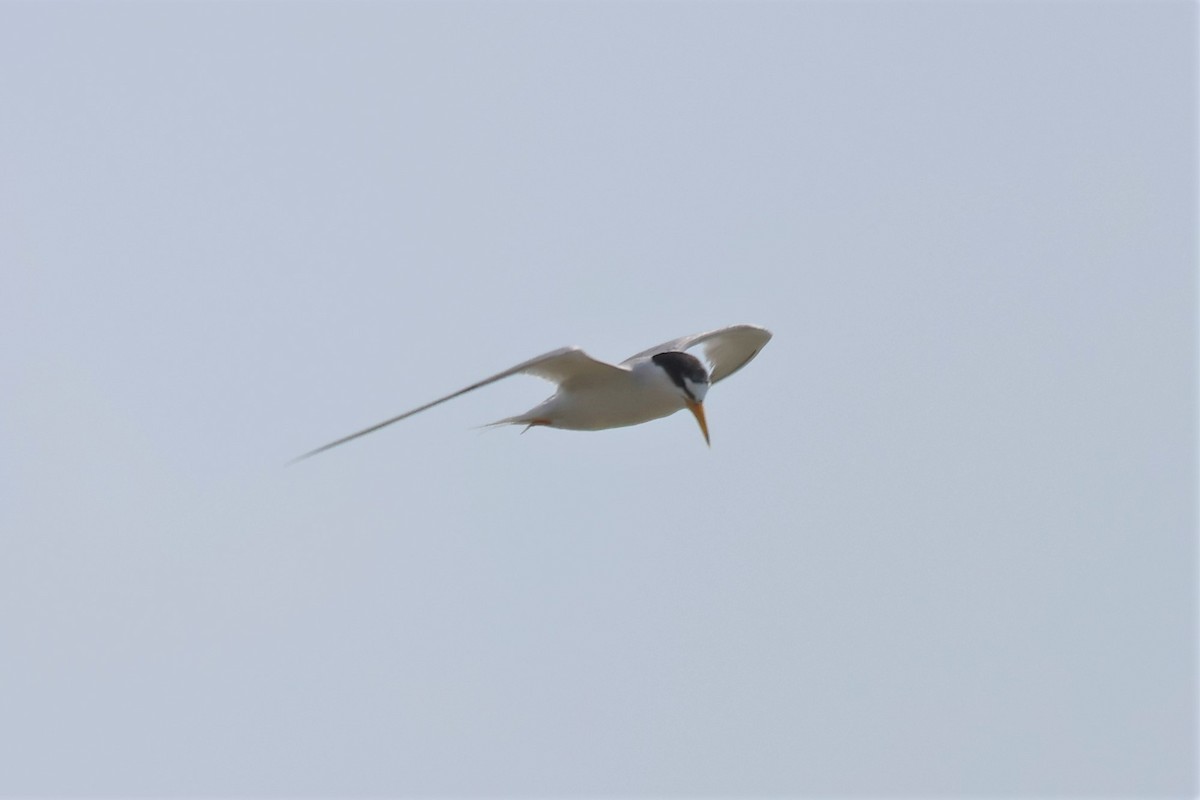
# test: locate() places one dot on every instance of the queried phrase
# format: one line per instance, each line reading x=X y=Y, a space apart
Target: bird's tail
x=528 y=420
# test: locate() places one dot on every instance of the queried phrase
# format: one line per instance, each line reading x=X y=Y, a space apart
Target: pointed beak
x=697 y=410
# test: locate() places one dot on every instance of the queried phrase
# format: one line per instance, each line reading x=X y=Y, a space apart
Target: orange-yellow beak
x=697 y=410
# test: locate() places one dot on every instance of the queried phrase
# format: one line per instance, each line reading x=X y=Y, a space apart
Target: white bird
x=594 y=395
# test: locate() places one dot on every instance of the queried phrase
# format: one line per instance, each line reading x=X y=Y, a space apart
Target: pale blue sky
x=943 y=543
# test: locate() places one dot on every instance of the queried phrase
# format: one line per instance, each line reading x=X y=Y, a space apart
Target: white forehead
x=698 y=390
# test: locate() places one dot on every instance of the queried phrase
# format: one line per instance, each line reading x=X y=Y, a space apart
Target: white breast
x=645 y=393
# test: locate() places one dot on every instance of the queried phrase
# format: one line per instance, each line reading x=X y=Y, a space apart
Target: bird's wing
x=726 y=349
x=564 y=366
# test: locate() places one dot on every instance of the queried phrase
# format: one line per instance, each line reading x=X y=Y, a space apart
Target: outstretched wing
x=726 y=349
x=566 y=365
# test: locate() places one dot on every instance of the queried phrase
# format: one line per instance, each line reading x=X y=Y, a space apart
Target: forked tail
x=528 y=420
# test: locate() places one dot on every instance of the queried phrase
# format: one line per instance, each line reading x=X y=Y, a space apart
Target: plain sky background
x=944 y=540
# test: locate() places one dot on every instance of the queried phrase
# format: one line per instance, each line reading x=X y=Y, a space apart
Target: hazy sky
x=944 y=540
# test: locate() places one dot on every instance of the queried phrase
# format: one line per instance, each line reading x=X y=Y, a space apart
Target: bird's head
x=690 y=377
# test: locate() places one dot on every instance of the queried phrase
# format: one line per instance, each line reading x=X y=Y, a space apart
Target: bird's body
x=641 y=393
x=594 y=395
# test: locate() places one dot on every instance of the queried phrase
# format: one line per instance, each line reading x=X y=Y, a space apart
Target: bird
x=595 y=395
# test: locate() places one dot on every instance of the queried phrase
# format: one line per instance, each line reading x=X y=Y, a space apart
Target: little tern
x=594 y=395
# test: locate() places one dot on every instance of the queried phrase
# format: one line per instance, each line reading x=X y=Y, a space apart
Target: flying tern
x=594 y=395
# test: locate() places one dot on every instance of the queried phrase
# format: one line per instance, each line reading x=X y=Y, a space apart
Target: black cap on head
x=679 y=366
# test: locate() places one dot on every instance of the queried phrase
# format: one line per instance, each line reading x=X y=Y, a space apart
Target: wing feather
x=564 y=366
x=726 y=349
